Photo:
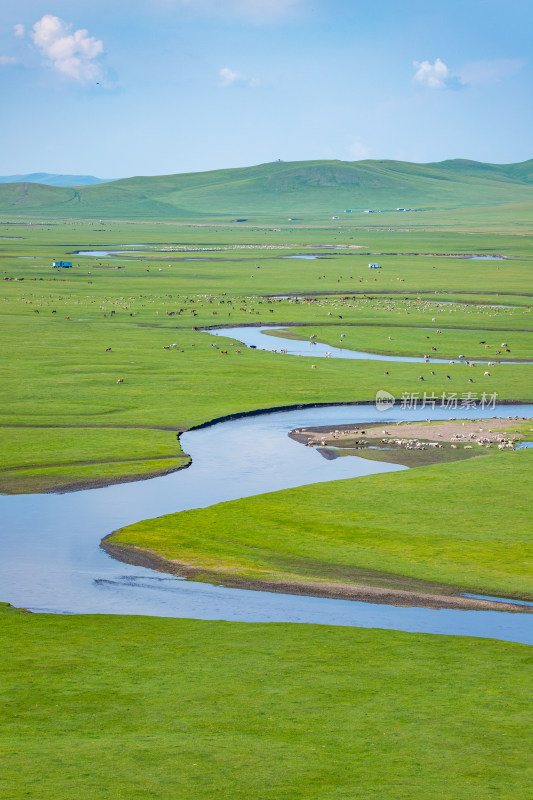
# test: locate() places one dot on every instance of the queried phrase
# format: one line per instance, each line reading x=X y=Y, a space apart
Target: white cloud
x=72 y=53
x=7 y=61
x=475 y=73
x=358 y=151
x=229 y=77
x=19 y=29
x=432 y=76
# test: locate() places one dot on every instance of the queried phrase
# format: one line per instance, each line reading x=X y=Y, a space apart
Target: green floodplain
x=105 y=364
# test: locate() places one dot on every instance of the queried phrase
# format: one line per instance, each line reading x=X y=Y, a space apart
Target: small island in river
x=416 y=443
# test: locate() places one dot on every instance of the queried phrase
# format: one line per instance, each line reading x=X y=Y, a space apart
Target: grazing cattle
x=313 y=366
x=486 y=373
x=448 y=378
x=107 y=349
x=120 y=380
x=225 y=352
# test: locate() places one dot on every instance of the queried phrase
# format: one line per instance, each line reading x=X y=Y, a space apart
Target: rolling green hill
x=312 y=187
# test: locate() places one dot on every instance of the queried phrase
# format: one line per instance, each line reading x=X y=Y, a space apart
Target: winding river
x=51 y=559
x=256 y=337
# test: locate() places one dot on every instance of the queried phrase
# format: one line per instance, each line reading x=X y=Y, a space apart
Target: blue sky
x=149 y=87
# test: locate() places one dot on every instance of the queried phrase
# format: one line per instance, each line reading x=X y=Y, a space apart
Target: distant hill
x=281 y=188
x=53 y=180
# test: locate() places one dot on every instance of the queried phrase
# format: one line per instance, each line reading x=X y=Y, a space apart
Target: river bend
x=51 y=559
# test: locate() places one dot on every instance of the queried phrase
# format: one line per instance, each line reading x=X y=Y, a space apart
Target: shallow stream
x=256 y=337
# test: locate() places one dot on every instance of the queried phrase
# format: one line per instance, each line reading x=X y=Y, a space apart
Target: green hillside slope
x=318 y=187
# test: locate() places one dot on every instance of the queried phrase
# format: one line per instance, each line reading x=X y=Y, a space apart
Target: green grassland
x=438 y=523
x=419 y=341
x=46 y=458
x=60 y=324
x=483 y=300
x=65 y=365
x=252 y=261
x=136 y=707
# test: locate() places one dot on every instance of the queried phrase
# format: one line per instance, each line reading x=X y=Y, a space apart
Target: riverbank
x=432 y=342
x=411 y=598
x=434 y=531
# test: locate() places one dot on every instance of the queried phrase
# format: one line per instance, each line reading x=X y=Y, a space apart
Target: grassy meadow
x=74 y=333
x=136 y=707
x=437 y=524
x=104 y=365
x=435 y=342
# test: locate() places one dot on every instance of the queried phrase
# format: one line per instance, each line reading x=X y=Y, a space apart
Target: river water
x=51 y=559
x=256 y=337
